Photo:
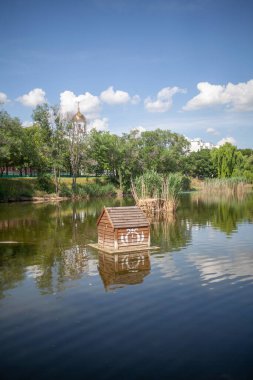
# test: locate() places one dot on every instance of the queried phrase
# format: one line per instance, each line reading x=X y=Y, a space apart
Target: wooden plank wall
x=134 y=238
x=105 y=233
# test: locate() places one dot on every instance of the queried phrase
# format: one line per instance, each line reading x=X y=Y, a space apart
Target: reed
x=155 y=194
x=234 y=186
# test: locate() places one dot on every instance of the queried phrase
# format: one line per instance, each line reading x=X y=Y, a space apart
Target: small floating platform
x=122 y=250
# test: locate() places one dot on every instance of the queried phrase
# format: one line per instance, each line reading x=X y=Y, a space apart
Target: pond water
x=183 y=312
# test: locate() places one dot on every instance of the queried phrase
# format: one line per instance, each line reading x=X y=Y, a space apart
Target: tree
x=75 y=130
x=107 y=151
x=11 y=135
x=48 y=137
x=248 y=168
x=227 y=160
x=199 y=164
x=162 y=150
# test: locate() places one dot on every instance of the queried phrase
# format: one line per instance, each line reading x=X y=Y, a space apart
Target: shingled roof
x=124 y=217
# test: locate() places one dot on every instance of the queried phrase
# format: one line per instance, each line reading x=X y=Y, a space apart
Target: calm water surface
x=184 y=312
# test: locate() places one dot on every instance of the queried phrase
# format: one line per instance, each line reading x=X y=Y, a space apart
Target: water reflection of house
x=121 y=269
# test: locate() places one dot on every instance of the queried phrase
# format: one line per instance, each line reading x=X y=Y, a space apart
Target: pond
x=183 y=312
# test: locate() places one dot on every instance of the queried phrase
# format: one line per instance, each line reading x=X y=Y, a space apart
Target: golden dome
x=78 y=117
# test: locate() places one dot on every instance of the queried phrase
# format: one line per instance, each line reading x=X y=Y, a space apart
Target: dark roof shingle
x=126 y=217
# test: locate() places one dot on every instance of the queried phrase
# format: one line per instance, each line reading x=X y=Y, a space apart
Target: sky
x=183 y=65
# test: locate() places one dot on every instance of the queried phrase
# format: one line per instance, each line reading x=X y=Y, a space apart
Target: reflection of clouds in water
x=166 y=265
x=34 y=271
x=216 y=269
x=218 y=257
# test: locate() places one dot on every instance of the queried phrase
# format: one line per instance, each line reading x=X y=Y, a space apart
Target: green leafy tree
x=227 y=160
x=162 y=150
x=199 y=164
x=11 y=135
x=49 y=138
x=248 y=168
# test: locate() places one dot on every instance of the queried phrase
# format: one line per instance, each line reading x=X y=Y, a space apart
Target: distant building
x=198 y=144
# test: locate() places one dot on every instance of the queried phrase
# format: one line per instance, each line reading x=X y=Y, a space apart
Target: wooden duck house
x=123 y=229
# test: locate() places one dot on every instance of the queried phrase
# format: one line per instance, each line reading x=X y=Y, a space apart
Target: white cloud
x=212 y=131
x=27 y=124
x=163 y=100
x=236 y=97
x=110 y=96
x=3 y=98
x=99 y=124
x=225 y=140
x=138 y=130
x=89 y=104
x=34 y=98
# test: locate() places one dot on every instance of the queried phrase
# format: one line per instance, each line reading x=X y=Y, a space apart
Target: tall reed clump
x=148 y=185
x=171 y=188
x=229 y=186
x=156 y=194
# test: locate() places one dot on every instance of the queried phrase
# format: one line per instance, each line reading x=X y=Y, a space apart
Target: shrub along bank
x=43 y=187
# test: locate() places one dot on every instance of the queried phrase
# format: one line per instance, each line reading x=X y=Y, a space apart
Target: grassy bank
x=22 y=189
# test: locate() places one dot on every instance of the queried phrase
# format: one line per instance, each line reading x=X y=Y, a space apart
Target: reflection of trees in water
x=53 y=239
x=223 y=213
x=171 y=234
x=12 y=270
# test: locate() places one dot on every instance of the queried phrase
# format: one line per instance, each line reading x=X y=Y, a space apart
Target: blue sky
x=180 y=65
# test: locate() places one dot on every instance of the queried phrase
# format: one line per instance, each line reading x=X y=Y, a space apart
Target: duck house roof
x=125 y=217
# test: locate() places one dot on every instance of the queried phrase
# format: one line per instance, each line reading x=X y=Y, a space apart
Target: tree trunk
x=74 y=182
x=120 y=180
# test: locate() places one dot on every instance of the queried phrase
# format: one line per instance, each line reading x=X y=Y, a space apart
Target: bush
x=45 y=183
x=186 y=183
x=65 y=190
x=248 y=176
x=96 y=189
x=93 y=190
x=11 y=189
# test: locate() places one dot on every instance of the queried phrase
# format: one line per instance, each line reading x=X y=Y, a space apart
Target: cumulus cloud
x=237 y=97
x=225 y=140
x=212 y=131
x=99 y=124
x=138 y=130
x=27 y=124
x=163 y=100
x=89 y=104
x=110 y=96
x=34 y=98
x=3 y=98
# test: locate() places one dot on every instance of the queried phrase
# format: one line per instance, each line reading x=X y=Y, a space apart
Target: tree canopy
x=45 y=147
